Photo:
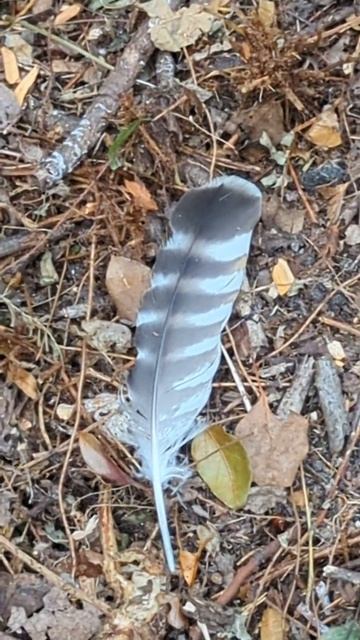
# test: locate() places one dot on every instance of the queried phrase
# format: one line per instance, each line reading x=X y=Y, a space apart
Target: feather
x=196 y=278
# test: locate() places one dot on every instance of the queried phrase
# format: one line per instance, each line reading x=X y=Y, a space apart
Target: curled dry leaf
x=141 y=195
x=25 y=85
x=126 y=281
x=283 y=277
x=272 y=625
x=173 y=30
x=11 y=70
x=104 y=335
x=189 y=565
x=223 y=464
x=325 y=132
x=23 y=379
x=98 y=460
x=275 y=447
x=67 y=12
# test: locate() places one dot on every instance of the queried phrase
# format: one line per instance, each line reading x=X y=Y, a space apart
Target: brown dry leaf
x=335 y=198
x=189 y=565
x=266 y=13
x=173 y=30
x=222 y=463
x=67 y=12
x=275 y=447
x=126 y=281
x=272 y=626
x=282 y=276
x=97 y=459
x=11 y=69
x=141 y=195
x=25 y=85
x=23 y=379
x=325 y=132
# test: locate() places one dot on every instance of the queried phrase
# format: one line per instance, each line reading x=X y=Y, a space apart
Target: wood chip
x=328 y=385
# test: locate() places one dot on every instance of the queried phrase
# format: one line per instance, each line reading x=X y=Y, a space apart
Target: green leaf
x=223 y=464
x=348 y=631
x=120 y=140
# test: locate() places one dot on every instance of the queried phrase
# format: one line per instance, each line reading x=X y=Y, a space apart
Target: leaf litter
x=256 y=91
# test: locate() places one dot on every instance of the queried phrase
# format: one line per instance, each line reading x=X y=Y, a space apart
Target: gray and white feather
x=196 y=278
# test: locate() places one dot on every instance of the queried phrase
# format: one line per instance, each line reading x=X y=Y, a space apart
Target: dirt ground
x=105 y=121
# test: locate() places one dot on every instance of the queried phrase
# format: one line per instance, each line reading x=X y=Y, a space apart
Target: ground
x=104 y=125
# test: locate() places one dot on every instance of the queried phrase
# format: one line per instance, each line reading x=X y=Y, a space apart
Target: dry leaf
x=67 y=13
x=325 y=132
x=142 y=197
x=352 y=234
x=9 y=108
x=98 y=460
x=126 y=282
x=189 y=564
x=272 y=625
x=11 y=70
x=23 y=379
x=283 y=277
x=222 y=463
x=104 y=335
x=25 y=85
x=266 y=13
x=334 y=195
x=337 y=352
x=275 y=447
x=173 y=30
x=65 y=411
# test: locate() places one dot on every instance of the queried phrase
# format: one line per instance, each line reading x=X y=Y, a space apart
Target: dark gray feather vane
x=196 y=278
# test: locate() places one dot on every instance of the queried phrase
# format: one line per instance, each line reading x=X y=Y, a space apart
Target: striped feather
x=196 y=278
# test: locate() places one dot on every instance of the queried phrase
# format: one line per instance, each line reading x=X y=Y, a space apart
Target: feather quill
x=196 y=278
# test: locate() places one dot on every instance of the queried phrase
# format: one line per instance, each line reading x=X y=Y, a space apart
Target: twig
x=311 y=575
x=342 y=574
x=241 y=389
x=77 y=418
x=301 y=193
x=342 y=326
x=328 y=385
x=294 y=398
x=67 y=156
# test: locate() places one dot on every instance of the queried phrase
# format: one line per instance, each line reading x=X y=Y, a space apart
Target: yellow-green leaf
x=223 y=464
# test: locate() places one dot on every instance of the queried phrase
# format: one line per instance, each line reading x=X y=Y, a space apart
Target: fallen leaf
x=98 y=460
x=264 y=499
x=9 y=108
x=265 y=116
x=104 y=335
x=275 y=447
x=352 y=234
x=189 y=565
x=126 y=281
x=272 y=626
x=174 y=30
x=25 y=85
x=325 y=132
x=120 y=140
x=67 y=12
x=141 y=195
x=90 y=526
x=222 y=463
x=266 y=13
x=11 y=70
x=334 y=196
x=23 y=379
x=48 y=275
x=337 y=352
x=65 y=411
x=283 y=277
